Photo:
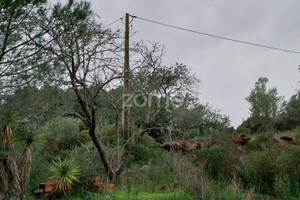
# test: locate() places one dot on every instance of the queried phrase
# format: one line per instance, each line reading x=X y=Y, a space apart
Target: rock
x=45 y=188
x=98 y=181
x=240 y=139
x=50 y=186
x=100 y=186
x=288 y=140
x=174 y=146
x=192 y=144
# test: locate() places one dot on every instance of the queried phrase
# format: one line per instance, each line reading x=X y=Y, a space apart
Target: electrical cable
x=113 y=22
x=215 y=36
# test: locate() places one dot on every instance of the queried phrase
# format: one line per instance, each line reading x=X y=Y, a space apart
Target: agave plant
x=66 y=172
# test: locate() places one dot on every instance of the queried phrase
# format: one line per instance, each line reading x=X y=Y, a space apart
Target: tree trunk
x=3 y=178
x=8 y=167
x=103 y=157
x=100 y=148
x=11 y=166
x=25 y=170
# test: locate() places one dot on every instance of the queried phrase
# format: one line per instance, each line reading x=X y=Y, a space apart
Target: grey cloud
x=227 y=70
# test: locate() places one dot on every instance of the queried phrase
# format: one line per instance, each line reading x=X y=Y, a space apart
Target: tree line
x=269 y=111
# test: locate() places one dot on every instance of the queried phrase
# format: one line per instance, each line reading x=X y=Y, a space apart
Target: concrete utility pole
x=125 y=106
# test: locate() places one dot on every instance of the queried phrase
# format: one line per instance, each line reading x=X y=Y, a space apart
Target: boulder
x=176 y=146
x=45 y=188
x=50 y=184
x=192 y=144
x=240 y=139
x=101 y=187
x=288 y=140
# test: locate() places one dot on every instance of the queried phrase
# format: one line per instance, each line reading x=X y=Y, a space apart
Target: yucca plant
x=66 y=172
x=7 y=121
x=9 y=175
x=28 y=137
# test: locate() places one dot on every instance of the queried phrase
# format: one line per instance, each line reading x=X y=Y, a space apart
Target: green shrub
x=272 y=172
x=258 y=170
x=221 y=138
x=261 y=141
x=88 y=159
x=39 y=171
x=108 y=135
x=148 y=149
x=297 y=138
x=218 y=162
x=61 y=134
x=297 y=129
x=243 y=129
x=289 y=160
x=287 y=181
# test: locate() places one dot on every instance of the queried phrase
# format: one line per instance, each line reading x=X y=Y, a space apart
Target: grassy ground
x=123 y=195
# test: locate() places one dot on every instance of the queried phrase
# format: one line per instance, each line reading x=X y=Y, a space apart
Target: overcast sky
x=227 y=70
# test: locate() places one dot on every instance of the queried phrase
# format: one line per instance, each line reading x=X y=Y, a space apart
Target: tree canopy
x=265 y=106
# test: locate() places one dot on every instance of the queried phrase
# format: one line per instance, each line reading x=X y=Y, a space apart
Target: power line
x=113 y=22
x=215 y=36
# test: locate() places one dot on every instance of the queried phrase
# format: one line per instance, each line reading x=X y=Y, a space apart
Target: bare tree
x=92 y=59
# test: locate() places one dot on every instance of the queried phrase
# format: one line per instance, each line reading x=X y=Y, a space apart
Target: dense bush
x=218 y=162
x=270 y=171
x=243 y=129
x=287 y=181
x=148 y=149
x=108 y=135
x=258 y=170
x=261 y=141
x=59 y=138
x=88 y=159
x=297 y=137
x=39 y=171
x=222 y=138
x=62 y=134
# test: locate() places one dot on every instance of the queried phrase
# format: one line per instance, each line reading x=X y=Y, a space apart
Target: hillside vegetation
x=75 y=125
